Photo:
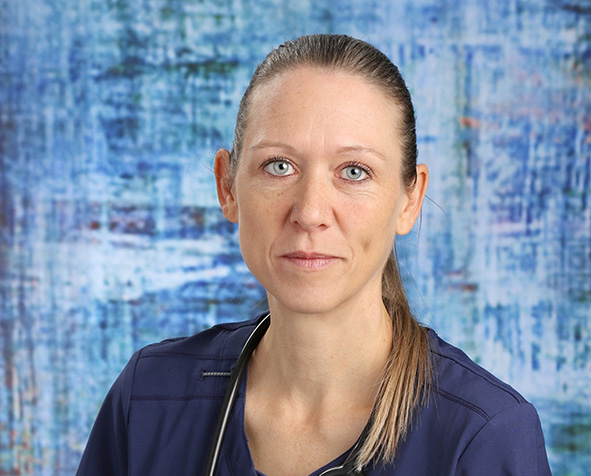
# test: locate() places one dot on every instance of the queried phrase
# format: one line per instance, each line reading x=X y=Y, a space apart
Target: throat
x=284 y=443
x=311 y=387
x=317 y=356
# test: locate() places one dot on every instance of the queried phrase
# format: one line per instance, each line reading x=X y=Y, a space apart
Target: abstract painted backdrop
x=110 y=234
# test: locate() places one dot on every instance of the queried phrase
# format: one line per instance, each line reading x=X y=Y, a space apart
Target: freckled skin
x=320 y=124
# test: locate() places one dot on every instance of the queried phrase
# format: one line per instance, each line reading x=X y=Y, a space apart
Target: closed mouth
x=304 y=255
x=310 y=260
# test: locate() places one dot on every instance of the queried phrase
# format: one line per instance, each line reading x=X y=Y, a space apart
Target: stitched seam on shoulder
x=131 y=389
x=487 y=425
x=129 y=411
x=189 y=356
x=506 y=390
x=464 y=403
x=232 y=326
x=173 y=398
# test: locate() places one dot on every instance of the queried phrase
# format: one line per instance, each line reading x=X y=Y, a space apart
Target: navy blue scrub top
x=159 y=416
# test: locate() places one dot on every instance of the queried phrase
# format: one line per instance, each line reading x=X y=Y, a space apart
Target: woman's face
x=317 y=195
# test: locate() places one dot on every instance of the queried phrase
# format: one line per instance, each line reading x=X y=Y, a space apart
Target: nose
x=312 y=207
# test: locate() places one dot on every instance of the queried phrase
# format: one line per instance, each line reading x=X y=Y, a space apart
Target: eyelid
x=274 y=159
x=366 y=169
x=359 y=165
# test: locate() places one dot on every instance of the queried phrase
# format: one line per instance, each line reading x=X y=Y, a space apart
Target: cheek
x=251 y=238
x=378 y=238
x=257 y=208
x=375 y=218
x=259 y=218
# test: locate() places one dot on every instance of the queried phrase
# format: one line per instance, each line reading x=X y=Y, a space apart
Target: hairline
x=393 y=102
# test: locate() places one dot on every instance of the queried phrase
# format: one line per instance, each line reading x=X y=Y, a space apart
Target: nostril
x=310 y=214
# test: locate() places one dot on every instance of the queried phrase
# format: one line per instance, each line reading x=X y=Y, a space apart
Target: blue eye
x=354 y=173
x=279 y=168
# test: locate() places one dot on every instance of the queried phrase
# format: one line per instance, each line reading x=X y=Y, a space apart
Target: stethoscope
x=346 y=469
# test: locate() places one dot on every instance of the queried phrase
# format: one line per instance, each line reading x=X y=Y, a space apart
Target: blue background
x=111 y=237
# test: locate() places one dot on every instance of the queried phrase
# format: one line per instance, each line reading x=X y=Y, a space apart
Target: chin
x=304 y=302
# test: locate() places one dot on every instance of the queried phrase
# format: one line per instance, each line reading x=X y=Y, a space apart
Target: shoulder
x=173 y=367
x=461 y=380
x=487 y=425
x=219 y=341
x=149 y=401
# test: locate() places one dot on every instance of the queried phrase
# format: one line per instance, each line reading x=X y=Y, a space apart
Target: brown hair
x=407 y=373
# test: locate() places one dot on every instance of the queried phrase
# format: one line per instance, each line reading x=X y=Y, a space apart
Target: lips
x=311 y=261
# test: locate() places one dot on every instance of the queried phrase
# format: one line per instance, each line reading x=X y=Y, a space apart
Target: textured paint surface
x=110 y=235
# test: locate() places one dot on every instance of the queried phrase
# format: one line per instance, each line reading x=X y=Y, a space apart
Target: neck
x=313 y=359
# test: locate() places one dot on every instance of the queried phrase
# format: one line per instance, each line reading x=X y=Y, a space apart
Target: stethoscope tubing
x=231 y=393
x=346 y=469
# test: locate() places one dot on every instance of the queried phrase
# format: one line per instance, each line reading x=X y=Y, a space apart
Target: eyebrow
x=361 y=148
x=341 y=150
x=271 y=144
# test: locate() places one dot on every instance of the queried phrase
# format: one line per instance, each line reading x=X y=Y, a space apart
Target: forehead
x=313 y=105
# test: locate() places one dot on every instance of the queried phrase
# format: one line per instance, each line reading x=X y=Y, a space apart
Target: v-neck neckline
x=239 y=440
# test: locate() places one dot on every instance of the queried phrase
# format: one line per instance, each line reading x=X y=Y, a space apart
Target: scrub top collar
x=235 y=453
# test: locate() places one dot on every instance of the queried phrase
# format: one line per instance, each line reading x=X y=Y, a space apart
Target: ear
x=224 y=186
x=415 y=196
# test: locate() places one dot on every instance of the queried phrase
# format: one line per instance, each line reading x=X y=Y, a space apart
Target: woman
x=321 y=177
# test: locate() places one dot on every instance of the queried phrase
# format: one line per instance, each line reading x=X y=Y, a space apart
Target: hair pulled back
x=406 y=376
x=343 y=54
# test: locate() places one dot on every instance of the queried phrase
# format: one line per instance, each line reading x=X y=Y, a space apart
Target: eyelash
x=276 y=158
x=359 y=165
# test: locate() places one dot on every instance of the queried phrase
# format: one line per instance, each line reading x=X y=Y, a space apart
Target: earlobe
x=409 y=214
x=224 y=186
